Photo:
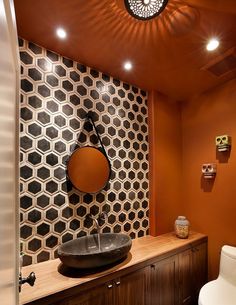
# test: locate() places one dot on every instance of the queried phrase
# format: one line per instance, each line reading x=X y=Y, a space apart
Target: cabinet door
x=101 y=295
x=199 y=265
x=185 y=278
x=192 y=273
x=131 y=289
x=164 y=282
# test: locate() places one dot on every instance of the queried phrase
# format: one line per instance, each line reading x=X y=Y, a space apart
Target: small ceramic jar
x=182 y=227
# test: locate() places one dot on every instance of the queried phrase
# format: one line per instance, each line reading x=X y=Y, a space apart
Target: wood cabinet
x=129 y=289
x=172 y=278
x=185 y=274
x=101 y=295
x=192 y=273
x=199 y=269
x=132 y=289
x=164 y=281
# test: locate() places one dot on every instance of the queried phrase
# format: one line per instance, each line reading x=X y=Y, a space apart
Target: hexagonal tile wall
x=56 y=95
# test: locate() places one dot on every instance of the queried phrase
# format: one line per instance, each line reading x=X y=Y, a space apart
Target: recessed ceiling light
x=128 y=65
x=61 y=33
x=212 y=44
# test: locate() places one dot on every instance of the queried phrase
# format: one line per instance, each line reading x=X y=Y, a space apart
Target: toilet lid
x=218 y=292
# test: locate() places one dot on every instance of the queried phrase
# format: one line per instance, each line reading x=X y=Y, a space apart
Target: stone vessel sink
x=95 y=250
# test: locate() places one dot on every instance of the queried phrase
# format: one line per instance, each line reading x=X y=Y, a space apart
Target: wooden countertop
x=49 y=281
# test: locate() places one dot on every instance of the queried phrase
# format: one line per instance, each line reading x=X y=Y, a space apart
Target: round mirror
x=88 y=169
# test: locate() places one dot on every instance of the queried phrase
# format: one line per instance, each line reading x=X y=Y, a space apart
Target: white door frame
x=9 y=152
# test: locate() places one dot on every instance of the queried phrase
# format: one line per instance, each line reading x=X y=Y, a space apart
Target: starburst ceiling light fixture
x=145 y=9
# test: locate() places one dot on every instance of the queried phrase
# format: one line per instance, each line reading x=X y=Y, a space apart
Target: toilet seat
x=218 y=292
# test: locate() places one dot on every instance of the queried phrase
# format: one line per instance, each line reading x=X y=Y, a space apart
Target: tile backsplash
x=56 y=95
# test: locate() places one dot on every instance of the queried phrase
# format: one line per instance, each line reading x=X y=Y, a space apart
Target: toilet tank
x=228 y=264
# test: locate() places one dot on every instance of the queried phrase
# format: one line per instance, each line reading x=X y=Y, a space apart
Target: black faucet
x=101 y=217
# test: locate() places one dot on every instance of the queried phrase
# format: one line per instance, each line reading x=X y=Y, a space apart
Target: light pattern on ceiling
x=145 y=9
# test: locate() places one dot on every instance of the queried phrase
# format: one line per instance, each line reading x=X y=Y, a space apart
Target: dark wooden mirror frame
x=89 y=169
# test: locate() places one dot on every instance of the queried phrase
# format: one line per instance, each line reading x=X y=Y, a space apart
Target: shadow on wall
x=207 y=184
x=223 y=157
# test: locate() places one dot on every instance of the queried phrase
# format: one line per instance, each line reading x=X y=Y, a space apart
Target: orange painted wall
x=165 y=162
x=210 y=206
x=181 y=140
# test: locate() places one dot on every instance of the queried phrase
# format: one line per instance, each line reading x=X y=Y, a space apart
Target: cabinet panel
x=192 y=273
x=101 y=295
x=185 y=277
x=199 y=261
x=131 y=289
x=163 y=282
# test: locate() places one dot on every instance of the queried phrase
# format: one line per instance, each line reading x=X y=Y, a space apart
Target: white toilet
x=222 y=291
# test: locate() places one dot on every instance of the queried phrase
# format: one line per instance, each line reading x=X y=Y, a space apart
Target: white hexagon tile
x=56 y=94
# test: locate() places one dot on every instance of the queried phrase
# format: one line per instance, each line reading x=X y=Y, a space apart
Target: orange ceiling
x=167 y=52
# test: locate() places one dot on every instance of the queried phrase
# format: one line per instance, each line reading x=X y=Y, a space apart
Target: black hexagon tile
x=56 y=95
x=52 y=56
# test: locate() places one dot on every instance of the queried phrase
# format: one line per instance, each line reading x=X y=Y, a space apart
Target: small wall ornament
x=223 y=143
x=209 y=170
